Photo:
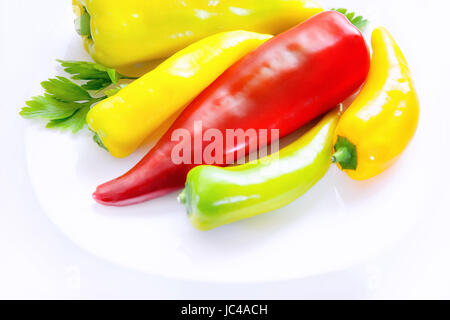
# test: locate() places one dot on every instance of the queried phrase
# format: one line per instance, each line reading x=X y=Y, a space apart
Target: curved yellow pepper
x=382 y=120
x=126 y=32
x=126 y=119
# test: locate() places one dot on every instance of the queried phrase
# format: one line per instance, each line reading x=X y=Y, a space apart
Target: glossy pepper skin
x=380 y=123
x=285 y=83
x=123 y=33
x=217 y=196
x=126 y=119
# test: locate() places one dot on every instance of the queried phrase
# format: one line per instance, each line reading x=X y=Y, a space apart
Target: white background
x=37 y=261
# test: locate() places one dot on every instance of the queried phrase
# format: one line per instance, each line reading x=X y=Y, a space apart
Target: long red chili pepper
x=287 y=82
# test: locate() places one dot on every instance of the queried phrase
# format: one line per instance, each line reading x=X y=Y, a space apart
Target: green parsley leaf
x=358 y=21
x=75 y=122
x=82 y=70
x=98 y=77
x=114 y=75
x=49 y=108
x=65 y=90
x=64 y=103
x=96 y=84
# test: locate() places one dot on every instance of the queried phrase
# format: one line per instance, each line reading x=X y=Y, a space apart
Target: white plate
x=337 y=224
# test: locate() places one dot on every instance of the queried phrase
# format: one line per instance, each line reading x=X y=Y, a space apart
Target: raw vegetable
x=380 y=123
x=121 y=33
x=285 y=83
x=124 y=120
x=217 y=196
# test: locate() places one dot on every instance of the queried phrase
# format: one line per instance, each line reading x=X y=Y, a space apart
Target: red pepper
x=284 y=84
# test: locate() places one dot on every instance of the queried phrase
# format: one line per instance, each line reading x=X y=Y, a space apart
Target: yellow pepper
x=382 y=120
x=121 y=33
x=126 y=119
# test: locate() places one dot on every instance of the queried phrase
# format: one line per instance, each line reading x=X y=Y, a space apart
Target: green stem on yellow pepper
x=345 y=154
x=83 y=24
x=341 y=155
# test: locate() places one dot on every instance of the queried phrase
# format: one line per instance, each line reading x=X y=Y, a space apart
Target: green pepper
x=217 y=196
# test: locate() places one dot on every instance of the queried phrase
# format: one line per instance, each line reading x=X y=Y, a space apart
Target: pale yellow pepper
x=124 y=33
x=381 y=122
x=126 y=119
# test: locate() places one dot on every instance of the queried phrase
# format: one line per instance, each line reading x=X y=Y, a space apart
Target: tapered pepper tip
x=97 y=196
x=345 y=154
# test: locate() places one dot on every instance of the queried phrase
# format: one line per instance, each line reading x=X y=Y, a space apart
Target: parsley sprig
x=65 y=103
x=357 y=21
x=97 y=76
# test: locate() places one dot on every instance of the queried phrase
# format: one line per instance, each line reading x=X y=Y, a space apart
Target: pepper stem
x=346 y=154
x=341 y=155
x=83 y=24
